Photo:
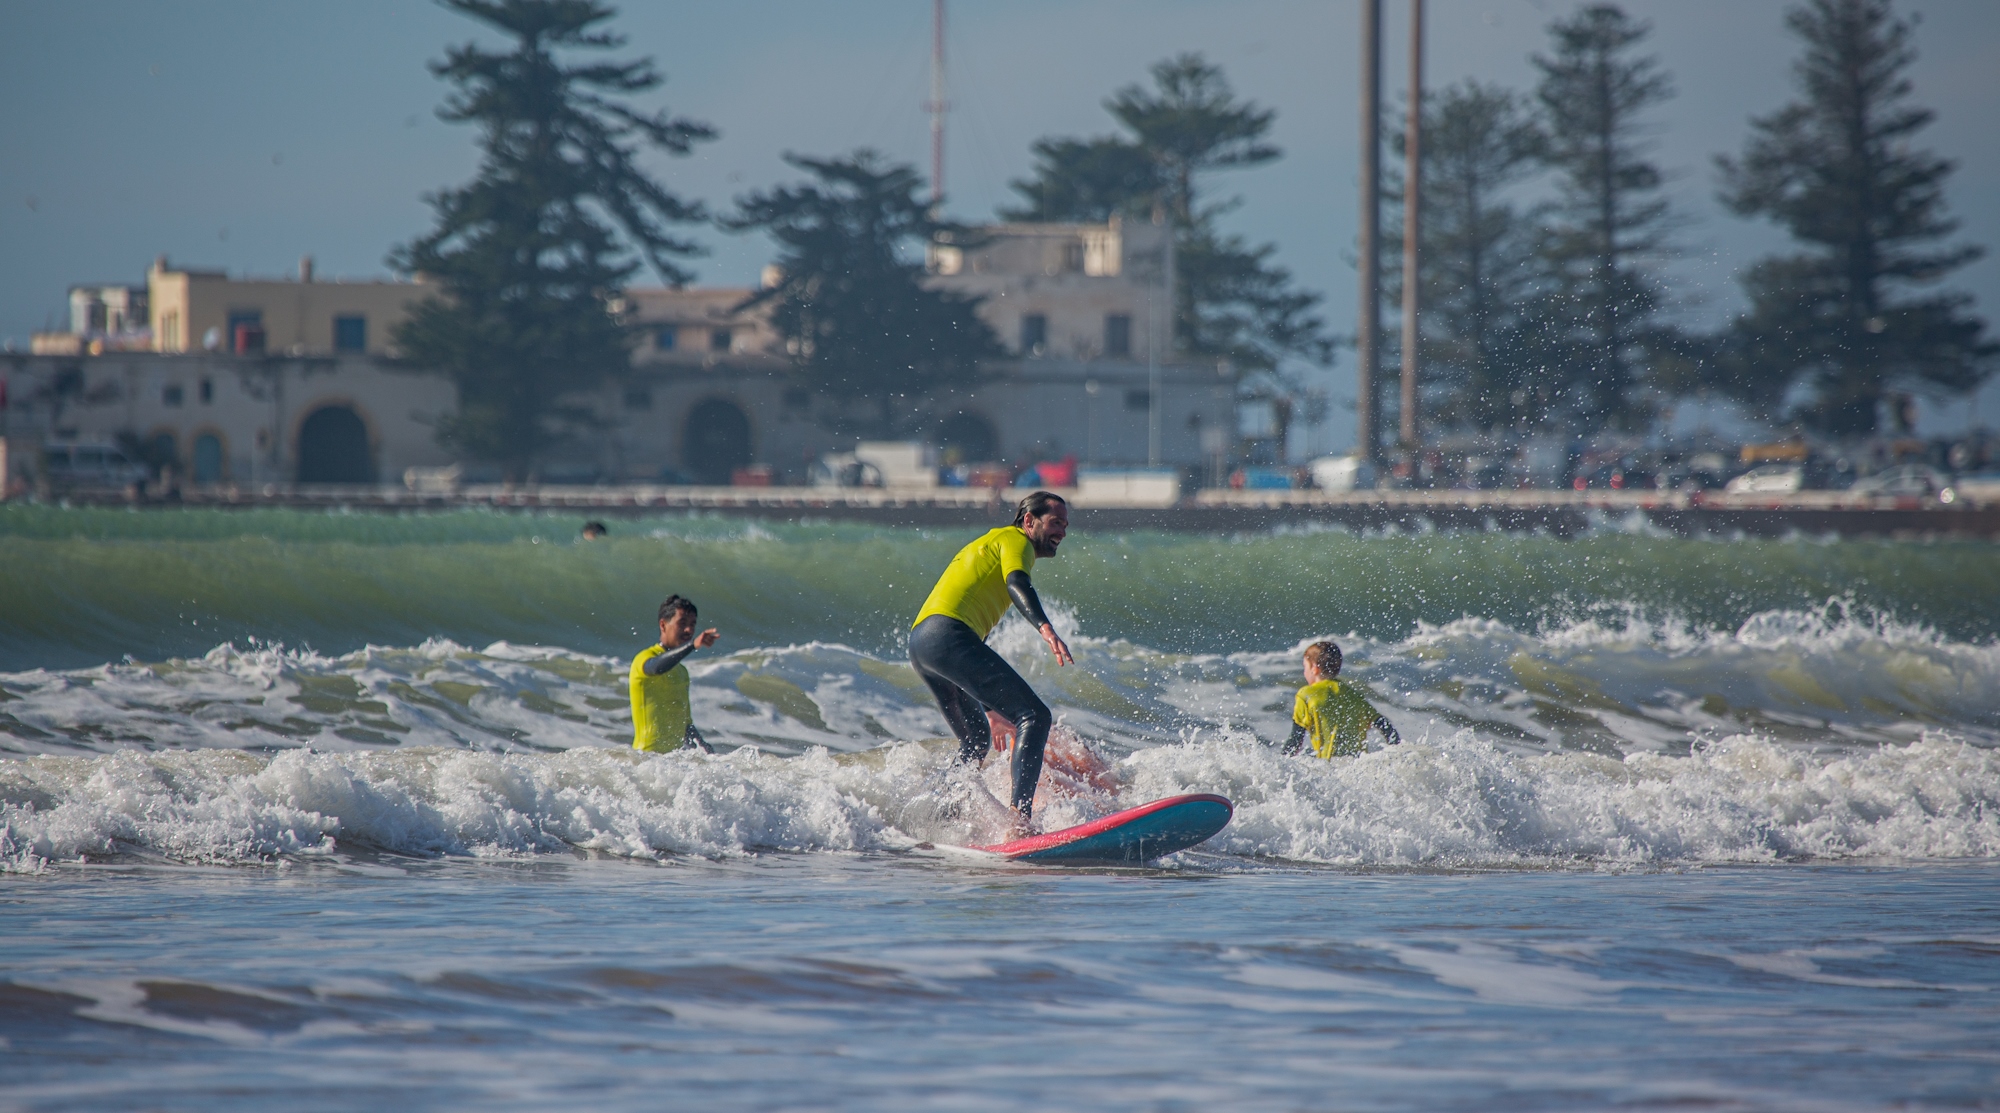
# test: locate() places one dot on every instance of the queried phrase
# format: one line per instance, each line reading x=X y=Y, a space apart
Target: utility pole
x=1368 y=328
x=1413 y=207
x=936 y=105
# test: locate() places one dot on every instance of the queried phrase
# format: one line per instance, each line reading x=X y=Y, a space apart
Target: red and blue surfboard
x=1134 y=835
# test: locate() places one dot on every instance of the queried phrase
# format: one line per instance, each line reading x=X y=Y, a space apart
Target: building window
x=1138 y=399
x=1072 y=256
x=664 y=338
x=207 y=391
x=1117 y=335
x=638 y=398
x=1034 y=334
x=171 y=396
x=350 y=333
x=719 y=339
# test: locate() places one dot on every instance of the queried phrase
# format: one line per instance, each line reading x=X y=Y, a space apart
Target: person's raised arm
x=1388 y=730
x=657 y=666
x=1022 y=591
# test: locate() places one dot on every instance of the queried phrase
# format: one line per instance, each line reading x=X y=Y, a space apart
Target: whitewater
x=344 y=789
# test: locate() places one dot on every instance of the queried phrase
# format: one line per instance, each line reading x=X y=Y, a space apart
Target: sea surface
x=338 y=811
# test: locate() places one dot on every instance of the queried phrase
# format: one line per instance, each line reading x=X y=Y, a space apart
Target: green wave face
x=79 y=587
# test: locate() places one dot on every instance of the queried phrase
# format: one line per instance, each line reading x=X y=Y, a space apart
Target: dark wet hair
x=1037 y=505
x=1325 y=657
x=675 y=605
x=594 y=529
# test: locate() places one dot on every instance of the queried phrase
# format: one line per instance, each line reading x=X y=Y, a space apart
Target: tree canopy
x=858 y=323
x=1838 y=169
x=1611 y=221
x=1231 y=300
x=1477 y=257
x=528 y=257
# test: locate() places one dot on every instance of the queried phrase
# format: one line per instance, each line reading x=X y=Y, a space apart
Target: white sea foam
x=1456 y=801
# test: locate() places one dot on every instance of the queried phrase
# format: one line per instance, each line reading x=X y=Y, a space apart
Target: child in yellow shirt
x=1334 y=717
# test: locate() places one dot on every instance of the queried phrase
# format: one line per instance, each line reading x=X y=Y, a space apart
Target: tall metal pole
x=1368 y=327
x=1413 y=208
x=936 y=105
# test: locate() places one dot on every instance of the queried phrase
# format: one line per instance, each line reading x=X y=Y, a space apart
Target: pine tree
x=1086 y=179
x=526 y=255
x=1611 y=220
x=1231 y=301
x=1836 y=168
x=1477 y=254
x=857 y=320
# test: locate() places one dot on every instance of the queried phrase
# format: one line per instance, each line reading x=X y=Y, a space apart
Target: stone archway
x=715 y=441
x=333 y=447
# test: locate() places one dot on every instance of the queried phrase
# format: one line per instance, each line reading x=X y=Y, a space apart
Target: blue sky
x=237 y=134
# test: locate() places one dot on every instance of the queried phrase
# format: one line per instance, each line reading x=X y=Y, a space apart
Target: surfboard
x=1134 y=835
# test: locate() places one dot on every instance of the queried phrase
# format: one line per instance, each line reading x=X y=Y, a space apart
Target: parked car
x=90 y=465
x=1907 y=480
x=1770 y=479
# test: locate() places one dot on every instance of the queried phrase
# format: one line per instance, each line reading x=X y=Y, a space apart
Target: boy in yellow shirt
x=662 y=719
x=1334 y=717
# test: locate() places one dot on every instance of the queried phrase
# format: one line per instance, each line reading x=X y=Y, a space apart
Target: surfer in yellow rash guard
x=948 y=640
x=662 y=718
x=1333 y=716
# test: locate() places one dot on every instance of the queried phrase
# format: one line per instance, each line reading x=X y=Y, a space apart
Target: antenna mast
x=936 y=105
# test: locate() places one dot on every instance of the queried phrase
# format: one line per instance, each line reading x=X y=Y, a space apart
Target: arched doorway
x=715 y=441
x=208 y=458
x=333 y=447
x=968 y=438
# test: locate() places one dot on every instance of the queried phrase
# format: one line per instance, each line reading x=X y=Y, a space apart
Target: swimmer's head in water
x=594 y=530
x=1324 y=657
x=1044 y=517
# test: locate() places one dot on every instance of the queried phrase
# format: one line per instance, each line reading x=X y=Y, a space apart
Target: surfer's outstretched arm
x=1297 y=742
x=1022 y=591
x=1388 y=730
x=657 y=666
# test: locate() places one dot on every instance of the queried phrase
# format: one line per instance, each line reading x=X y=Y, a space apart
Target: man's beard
x=1044 y=549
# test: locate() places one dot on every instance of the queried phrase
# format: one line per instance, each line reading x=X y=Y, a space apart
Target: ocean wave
x=1453 y=802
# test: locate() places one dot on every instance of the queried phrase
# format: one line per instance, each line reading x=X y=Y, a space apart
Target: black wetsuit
x=969 y=678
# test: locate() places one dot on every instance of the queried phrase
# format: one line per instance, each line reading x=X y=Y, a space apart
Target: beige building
x=282 y=381
x=1076 y=292
x=197 y=311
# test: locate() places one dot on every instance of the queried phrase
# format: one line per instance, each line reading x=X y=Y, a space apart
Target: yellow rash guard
x=1336 y=717
x=973 y=588
x=660 y=712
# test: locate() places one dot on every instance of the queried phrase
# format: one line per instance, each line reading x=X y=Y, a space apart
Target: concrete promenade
x=1559 y=513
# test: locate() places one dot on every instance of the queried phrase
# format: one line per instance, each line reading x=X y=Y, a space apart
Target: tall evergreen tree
x=1837 y=169
x=527 y=256
x=1231 y=300
x=1086 y=179
x=1477 y=254
x=1611 y=221
x=858 y=322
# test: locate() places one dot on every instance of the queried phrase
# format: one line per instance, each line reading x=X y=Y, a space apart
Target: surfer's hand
x=1056 y=645
x=706 y=638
